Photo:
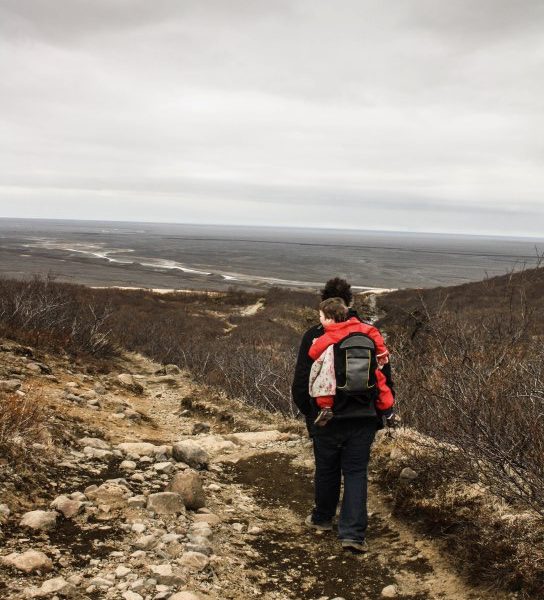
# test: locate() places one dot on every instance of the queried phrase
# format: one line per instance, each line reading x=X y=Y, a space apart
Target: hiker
x=342 y=446
x=333 y=315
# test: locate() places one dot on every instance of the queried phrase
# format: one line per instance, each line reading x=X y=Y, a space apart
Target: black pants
x=343 y=448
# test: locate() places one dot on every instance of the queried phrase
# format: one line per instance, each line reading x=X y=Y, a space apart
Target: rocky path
x=169 y=491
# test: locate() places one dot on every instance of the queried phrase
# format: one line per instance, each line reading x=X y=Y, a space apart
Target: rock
x=145 y=542
x=389 y=591
x=238 y=527
x=190 y=453
x=132 y=414
x=122 y=571
x=168 y=379
x=128 y=465
x=185 y=596
x=208 y=518
x=137 y=501
x=4 y=512
x=129 y=595
x=57 y=586
x=253 y=438
x=97 y=453
x=28 y=562
x=39 y=520
x=165 y=575
x=99 y=389
x=111 y=493
x=407 y=474
x=139 y=527
x=139 y=448
x=254 y=530
x=194 y=561
x=188 y=484
x=200 y=428
x=128 y=382
x=9 y=385
x=69 y=508
x=166 y=503
x=172 y=370
x=164 y=467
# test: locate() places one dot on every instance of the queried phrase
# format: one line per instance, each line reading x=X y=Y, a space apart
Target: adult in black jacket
x=342 y=447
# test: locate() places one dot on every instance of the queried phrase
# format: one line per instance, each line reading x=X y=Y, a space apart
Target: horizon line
x=518 y=236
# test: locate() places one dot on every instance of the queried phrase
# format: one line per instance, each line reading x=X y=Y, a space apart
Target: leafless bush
x=22 y=423
x=44 y=313
x=478 y=386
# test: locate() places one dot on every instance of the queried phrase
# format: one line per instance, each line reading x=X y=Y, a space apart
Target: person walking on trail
x=342 y=446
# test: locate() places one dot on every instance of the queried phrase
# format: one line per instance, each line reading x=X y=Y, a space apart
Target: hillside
x=111 y=445
x=455 y=508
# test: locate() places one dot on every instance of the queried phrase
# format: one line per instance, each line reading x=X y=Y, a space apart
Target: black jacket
x=306 y=404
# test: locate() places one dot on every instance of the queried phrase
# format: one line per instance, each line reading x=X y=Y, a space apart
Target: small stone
x=164 y=467
x=39 y=520
x=200 y=428
x=239 y=527
x=128 y=382
x=139 y=527
x=111 y=493
x=122 y=571
x=190 y=453
x=137 y=501
x=194 y=561
x=28 y=562
x=94 y=443
x=166 y=503
x=408 y=474
x=10 y=385
x=165 y=575
x=254 y=530
x=129 y=595
x=58 y=586
x=185 y=596
x=389 y=591
x=69 y=508
x=209 y=518
x=128 y=465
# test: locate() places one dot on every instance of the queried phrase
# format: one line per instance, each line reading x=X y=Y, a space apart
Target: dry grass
x=491 y=542
x=23 y=423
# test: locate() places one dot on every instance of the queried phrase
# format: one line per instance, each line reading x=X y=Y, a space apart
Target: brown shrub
x=22 y=423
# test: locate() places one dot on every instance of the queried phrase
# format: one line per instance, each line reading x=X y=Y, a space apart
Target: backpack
x=355 y=366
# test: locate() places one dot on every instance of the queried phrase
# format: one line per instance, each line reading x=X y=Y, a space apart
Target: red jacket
x=338 y=331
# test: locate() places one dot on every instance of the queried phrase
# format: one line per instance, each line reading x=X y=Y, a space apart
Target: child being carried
x=333 y=314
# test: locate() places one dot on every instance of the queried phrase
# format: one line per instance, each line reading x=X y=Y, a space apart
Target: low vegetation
x=469 y=365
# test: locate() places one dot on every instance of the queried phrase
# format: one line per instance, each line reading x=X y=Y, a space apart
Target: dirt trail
x=292 y=561
x=259 y=484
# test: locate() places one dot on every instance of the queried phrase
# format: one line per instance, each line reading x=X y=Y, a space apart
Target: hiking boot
x=353 y=546
x=324 y=416
x=318 y=526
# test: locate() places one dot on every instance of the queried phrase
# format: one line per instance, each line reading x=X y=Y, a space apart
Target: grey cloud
x=419 y=107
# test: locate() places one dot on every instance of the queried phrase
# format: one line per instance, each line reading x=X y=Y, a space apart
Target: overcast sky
x=422 y=115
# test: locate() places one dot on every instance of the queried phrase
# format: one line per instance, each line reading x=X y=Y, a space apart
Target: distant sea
x=170 y=256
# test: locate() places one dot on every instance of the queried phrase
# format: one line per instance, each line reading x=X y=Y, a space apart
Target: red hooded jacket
x=338 y=331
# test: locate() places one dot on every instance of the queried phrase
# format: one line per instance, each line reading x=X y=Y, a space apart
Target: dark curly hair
x=337 y=288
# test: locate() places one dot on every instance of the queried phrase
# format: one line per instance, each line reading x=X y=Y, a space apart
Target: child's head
x=333 y=310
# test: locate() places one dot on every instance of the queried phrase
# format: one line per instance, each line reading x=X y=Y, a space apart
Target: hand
x=392 y=421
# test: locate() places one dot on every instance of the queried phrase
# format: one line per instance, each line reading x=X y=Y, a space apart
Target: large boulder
x=188 y=452
x=39 y=520
x=127 y=381
x=166 y=503
x=28 y=562
x=188 y=484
